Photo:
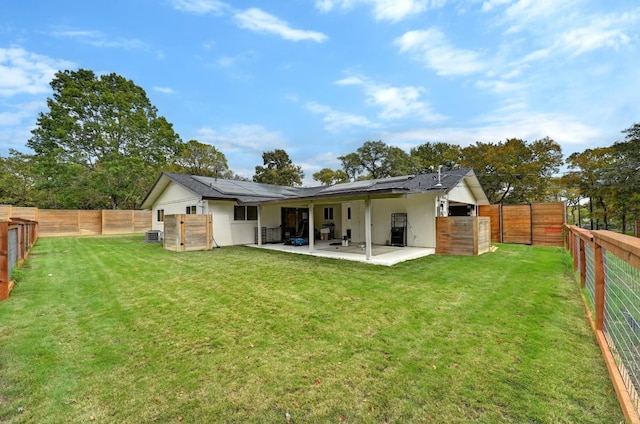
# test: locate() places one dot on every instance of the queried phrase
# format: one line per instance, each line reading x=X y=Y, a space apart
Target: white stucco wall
x=174 y=200
x=318 y=217
x=355 y=224
x=420 y=210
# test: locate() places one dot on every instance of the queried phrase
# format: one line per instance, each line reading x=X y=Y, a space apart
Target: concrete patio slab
x=381 y=255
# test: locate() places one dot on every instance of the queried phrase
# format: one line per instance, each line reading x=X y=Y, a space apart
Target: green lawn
x=113 y=329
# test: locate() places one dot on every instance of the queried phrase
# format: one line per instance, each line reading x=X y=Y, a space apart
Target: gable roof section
x=209 y=188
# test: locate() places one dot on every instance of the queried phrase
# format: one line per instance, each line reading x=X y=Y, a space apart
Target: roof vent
x=439 y=183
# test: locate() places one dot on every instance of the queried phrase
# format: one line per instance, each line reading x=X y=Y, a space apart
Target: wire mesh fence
x=590 y=279
x=13 y=252
x=577 y=244
x=621 y=321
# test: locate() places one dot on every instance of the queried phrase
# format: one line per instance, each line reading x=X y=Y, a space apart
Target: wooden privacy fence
x=64 y=222
x=463 y=235
x=609 y=268
x=17 y=236
x=188 y=232
x=538 y=224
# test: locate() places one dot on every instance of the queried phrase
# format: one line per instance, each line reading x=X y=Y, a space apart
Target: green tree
x=101 y=134
x=624 y=177
x=374 y=158
x=16 y=180
x=278 y=169
x=327 y=176
x=514 y=171
x=588 y=177
x=377 y=160
x=202 y=159
x=351 y=165
x=398 y=162
x=429 y=156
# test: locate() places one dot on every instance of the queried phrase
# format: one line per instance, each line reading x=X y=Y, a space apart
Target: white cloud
x=229 y=61
x=511 y=122
x=395 y=102
x=335 y=120
x=600 y=32
x=431 y=48
x=201 y=6
x=257 y=20
x=499 y=86
x=98 y=39
x=523 y=14
x=166 y=90
x=241 y=137
x=24 y=72
x=384 y=10
x=20 y=112
x=489 y=5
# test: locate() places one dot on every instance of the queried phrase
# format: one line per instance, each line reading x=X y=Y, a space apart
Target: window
x=328 y=214
x=191 y=210
x=160 y=216
x=252 y=213
x=245 y=213
x=239 y=213
x=348 y=213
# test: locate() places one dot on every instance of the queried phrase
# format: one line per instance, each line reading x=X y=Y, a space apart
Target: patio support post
x=367 y=227
x=259 y=225
x=311 y=226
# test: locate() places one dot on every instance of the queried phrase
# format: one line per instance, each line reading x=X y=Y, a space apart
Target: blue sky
x=318 y=78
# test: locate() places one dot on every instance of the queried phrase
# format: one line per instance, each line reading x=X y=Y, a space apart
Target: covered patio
x=380 y=255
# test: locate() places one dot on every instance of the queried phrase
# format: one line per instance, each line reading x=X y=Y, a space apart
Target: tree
x=514 y=171
x=398 y=162
x=103 y=133
x=201 y=159
x=624 y=176
x=374 y=158
x=16 y=179
x=378 y=160
x=351 y=165
x=429 y=156
x=328 y=176
x=278 y=169
x=588 y=177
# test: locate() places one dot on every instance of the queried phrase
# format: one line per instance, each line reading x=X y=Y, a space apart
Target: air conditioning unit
x=154 y=236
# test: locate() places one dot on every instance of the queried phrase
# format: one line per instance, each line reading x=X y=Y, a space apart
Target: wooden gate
x=517 y=224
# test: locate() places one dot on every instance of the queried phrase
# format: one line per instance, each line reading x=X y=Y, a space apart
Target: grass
x=112 y=329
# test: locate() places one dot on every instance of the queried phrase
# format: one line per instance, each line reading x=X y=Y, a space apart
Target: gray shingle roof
x=249 y=192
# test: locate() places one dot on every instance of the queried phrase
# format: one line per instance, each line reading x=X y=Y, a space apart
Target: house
x=398 y=211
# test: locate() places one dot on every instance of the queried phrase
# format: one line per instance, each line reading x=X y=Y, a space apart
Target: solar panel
x=364 y=184
x=355 y=185
x=245 y=188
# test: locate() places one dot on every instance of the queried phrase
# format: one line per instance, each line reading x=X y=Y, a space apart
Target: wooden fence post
x=4 y=260
x=574 y=250
x=583 y=263
x=598 y=268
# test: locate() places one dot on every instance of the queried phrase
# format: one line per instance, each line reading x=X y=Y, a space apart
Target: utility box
x=153 y=236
